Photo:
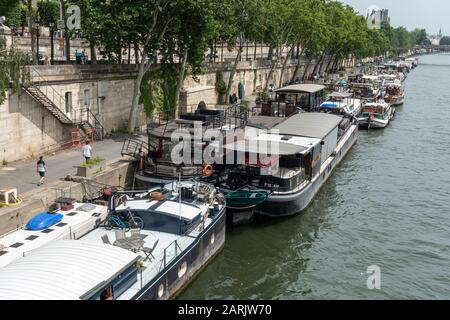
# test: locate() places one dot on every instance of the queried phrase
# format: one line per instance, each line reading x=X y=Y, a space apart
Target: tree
x=48 y=11
x=445 y=41
x=12 y=69
x=420 y=36
x=237 y=22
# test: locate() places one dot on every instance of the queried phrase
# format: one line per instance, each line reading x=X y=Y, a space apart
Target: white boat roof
x=337 y=94
x=170 y=208
x=370 y=77
x=274 y=144
x=376 y=104
x=74 y=224
x=63 y=270
x=302 y=88
x=309 y=124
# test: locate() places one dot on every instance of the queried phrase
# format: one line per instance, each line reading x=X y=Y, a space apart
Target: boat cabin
x=285 y=161
x=378 y=110
x=339 y=103
x=70 y=270
x=288 y=100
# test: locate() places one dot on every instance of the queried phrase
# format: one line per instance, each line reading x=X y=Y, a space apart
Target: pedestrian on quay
x=234 y=98
x=41 y=169
x=87 y=150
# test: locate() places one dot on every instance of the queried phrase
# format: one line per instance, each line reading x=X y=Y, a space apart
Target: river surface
x=387 y=204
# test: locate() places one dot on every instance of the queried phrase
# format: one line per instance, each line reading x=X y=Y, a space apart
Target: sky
x=427 y=14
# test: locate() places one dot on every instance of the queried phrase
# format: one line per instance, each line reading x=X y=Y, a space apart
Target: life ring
x=207 y=170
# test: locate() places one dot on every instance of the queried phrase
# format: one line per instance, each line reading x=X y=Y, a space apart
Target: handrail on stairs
x=85 y=115
x=38 y=80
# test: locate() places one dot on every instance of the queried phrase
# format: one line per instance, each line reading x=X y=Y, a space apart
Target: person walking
x=41 y=169
x=87 y=150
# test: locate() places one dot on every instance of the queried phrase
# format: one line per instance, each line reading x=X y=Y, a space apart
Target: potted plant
x=91 y=167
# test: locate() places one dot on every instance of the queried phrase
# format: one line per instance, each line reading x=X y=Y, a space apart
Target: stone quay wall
x=28 y=129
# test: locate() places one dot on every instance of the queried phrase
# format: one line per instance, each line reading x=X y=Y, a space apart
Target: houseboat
x=72 y=221
x=299 y=157
x=376 y=115
x=394 y=94
x=159 y=168
x=182 y=231
x=342 y=103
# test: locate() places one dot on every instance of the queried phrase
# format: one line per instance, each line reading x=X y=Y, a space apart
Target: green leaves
x=12 y=69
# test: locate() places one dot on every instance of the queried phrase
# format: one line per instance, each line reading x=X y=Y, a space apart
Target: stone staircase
x=49 y=98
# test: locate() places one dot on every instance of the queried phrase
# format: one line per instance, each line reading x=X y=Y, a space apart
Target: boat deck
x=168 y=248
x=74 y=224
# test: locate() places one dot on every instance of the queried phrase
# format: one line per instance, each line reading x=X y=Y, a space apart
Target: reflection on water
x=385 y=205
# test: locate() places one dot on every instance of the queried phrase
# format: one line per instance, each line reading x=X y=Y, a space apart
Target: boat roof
x=63 y=270
x=376 y=104
x=340 y=94
x=269 y=148
x=309 y=124
x=170 y=208
x=370 y=77
x=301 y=88
x=74 y=224
x=264 y=122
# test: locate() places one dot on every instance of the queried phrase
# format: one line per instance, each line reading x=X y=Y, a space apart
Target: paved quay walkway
x=23 y=176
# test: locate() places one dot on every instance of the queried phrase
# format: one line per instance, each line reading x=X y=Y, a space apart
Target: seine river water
x=387 y=204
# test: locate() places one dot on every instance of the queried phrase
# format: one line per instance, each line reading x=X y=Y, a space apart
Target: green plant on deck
x=262 y=97
x=92 y=162
x=4 y=162
x=221 y=88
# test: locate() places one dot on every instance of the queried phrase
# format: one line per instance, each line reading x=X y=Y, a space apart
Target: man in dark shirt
x=41 y=170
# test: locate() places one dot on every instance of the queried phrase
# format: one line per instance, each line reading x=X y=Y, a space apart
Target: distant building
x=375 y=16
x=436 y=39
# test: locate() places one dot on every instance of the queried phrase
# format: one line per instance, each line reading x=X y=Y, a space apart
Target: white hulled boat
x=376 y=115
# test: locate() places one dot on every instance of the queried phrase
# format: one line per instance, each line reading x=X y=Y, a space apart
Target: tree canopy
x=445 y=41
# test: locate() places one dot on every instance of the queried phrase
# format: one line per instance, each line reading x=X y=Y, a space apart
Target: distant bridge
x=434 y=48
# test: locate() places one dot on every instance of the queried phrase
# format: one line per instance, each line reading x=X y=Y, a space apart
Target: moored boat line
x=152 y=243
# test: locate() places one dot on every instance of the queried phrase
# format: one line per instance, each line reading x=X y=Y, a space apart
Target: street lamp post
x=37 y=39
x=13 y=30
x=52 y=48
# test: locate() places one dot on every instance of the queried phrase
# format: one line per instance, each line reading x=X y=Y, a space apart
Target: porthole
x=213 y=238
x=160 y=290
x=182 y=269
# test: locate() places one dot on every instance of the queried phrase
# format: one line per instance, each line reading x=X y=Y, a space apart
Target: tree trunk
x=66 y=30
x=246 y=56
x=322 y=61
x=180 y=83
x=93 y=53
x=334 y=65
x=129 y=53
x=233 y=71
x=305 y=73
x=330 y=63
x=254 y=53
x=288 y=55
x=270 y=54
x=136 y=53
x=317 y=65
x=31 y=28
x=272 y=67
x=297 y=67
x=136 y=96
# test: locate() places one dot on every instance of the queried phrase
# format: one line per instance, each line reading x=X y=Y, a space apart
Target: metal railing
x=42 y=84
